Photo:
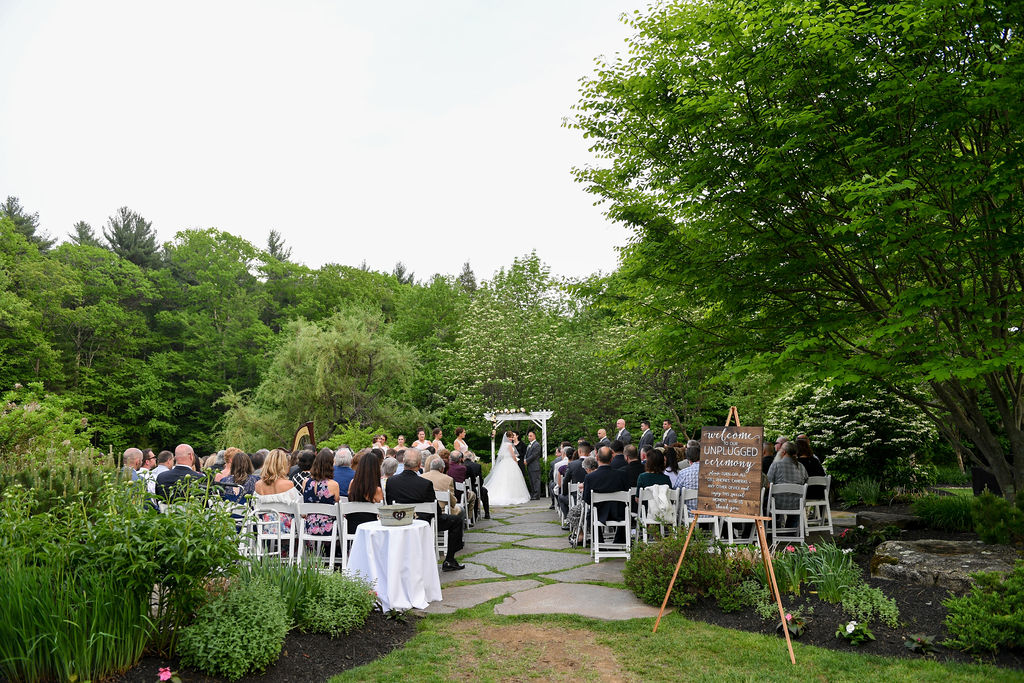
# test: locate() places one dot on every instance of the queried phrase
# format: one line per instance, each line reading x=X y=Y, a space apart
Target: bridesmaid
x=460 y=440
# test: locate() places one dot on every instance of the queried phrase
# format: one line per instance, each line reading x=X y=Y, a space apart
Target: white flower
x=852 y=625
x=847 y=551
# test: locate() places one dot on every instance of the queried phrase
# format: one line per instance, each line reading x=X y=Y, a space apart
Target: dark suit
x=474 y=471
x=633 y=471
x=625 y=437
x=409 y=487
x=607 y=480
x=603 y=442
x=618 y=461
x=646 y=439
x=170 y=484
x=532 y=460
x=669 y=437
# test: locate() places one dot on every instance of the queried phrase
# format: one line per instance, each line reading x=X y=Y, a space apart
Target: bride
x=505 y=484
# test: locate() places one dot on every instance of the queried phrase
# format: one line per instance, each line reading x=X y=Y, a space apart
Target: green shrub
x=989 y=617
x=952 y=476
x=949 y=513
x=864 y=604
x=861 y=491
x=996 y=521
x=831 y=571
x=340 y=605
x=239 y=631
x=708 y=570
x=297 y=585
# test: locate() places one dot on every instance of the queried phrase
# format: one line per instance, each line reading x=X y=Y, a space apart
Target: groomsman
x=669 y=437
x=647 y=438
x=624 y=436
x=602 y=438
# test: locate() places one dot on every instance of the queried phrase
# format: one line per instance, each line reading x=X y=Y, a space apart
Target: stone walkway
x=526 y=541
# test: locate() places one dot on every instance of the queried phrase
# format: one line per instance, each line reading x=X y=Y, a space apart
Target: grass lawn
x=477 y=645
x=958 y=491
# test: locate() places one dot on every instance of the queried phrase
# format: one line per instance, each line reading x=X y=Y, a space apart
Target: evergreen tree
x=84 y=236
x=25 y=223
x=132 y=237
x=403 y=275
x=276 y=248
x=467 y=280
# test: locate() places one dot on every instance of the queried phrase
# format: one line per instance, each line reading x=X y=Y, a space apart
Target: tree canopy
x=829 y=188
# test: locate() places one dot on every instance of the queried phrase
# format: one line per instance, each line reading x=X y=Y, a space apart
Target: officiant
x=520 y=447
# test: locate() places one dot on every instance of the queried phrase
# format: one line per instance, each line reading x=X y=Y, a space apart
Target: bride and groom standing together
x=506 y=484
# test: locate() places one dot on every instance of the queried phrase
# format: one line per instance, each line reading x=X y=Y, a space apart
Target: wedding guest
x=574 y=516
x=437 y=443
x=163 y=463
x=805 y=456
x=171 y=484
x=421 y=439
x=618 y=459
x=343 y=471
x=258 y=458
x=623 y=434
x=671 y=464
x=365 y=488
x=458 y=472
x=669 y=435
x=388 y=469
x=767 y=460
x=301 y=474
x=229 y=456
x=475 y=473
x=321 y=488
x=634 y=468
x=690 y=477
x=241 y=476
x=647 y=437
x=602 y=438
x=131 y=461
x=786 y=470
x=653 y=471
x=400 y=457
x=434 y=471
x=274 y=486
x=460 y=440
x=606 y=479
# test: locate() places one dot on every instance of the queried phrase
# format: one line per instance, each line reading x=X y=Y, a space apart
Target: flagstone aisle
x=526 y=541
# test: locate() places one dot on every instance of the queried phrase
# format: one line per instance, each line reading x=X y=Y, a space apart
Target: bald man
x=131 y=460
x=169 y=483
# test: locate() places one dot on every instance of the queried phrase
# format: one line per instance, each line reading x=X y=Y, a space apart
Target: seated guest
x=400 y=458
x=229 y=457
x=295 y=461
x=258 y=458
x=671 y=464
x=618 y=459
x=388 y=469
x=475 y=474
x=458 y=472
x=275 y=486
x=654 y=471
x=409 y=487
x=574 y=517
x=365 y=488
x=767 y=460
x=786 y=470
x=442 y=482
x=343 y=471
x=172 y=483
x=690 y=477
x=321 y=488
x=634 y=468
x=301 y=470
x=241 y=477
x=805 y=456
x=606 y=479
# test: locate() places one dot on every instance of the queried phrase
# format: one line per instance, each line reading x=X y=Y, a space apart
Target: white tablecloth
x=400 y=560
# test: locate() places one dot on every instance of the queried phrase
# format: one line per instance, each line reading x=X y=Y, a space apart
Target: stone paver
x=471 y=546
x=458 y=597
x=483 y=524
x=599 y=602
x=534 y=529
x=542 y=516
x=606 y=571
x=472 y=572
x=521 y=561
x=546 y=543
x=488 y=537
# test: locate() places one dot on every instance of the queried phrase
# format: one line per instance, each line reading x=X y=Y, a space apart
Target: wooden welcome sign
x=730 y=470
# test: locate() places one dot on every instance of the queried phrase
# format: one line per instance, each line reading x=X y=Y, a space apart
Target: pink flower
x=790 y=549
x=789 y=617
x=165 y=673
x=810 y=548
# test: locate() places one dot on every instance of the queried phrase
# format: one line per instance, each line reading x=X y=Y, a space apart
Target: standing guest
x=321 y=488
x=647 y=437
x=476 y=474
x=690 y=477
x=437 y=443
x=669 y=436
x=421 y=439
x=343 y=471
x=623 y=435
x=767 y=460
x=634 y=468
x=131 y=461
x=786 y=470
x=170 y=484
x=241 y=476
x=460 y=440
x=409 y=487
x=301 y=474
x=602 y=439
x=365 y=488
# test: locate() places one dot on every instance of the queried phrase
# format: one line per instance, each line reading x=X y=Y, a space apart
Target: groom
x=532 y=459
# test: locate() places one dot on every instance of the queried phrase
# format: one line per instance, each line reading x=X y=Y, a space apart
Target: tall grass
x=861 y=490
x=297 y=583
x=949 y=513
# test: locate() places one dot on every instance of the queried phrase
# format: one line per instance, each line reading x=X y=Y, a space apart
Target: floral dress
x=317 y=492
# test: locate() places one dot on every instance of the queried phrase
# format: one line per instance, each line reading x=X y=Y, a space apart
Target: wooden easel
x=766 y=556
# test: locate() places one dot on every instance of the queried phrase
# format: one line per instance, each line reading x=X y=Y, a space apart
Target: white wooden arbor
x=537 y=417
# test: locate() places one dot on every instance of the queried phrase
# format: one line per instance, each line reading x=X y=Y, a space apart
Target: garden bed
x=306 y=658
x=921 y=612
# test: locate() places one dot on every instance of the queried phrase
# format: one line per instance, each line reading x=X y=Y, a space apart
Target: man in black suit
x=476 y=473
x=409 y=487
x=624 y=436
x=669 y=437
x=647 y=438
x=618 y=460
x=532 y=459
x=174 y=482
x=605 y=479
x=634 y=468
x=602 y=438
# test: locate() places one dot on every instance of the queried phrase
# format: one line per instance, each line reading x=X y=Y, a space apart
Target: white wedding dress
x=505 y=484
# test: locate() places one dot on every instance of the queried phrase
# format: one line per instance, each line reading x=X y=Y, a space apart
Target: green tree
x=403 y=274
x=276 y=248
x=343 y=369
x=467 y=280
x=83 y=235
x=132 y=237
x=830 y=189
x=25 y=223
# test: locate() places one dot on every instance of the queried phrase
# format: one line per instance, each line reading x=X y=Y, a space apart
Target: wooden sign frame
x=766 y=556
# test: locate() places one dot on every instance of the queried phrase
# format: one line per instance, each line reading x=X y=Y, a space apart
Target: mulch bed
x=306 y=657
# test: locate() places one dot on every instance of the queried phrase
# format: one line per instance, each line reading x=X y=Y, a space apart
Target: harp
x=305 y=430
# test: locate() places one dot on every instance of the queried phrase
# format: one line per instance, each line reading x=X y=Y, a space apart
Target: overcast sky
x=427 y=132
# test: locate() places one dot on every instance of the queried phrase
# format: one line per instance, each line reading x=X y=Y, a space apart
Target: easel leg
x=676 y=573
x=767 y=559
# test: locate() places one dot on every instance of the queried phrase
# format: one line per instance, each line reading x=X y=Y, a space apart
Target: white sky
x=426 y=132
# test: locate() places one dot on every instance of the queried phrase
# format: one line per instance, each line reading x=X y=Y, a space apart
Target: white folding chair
x=442 y=536
x=645 y=517
x=599 y=546
x=708 y=524
x=460 y=490
x=430 y=508
x=304 y=535
x=275 y=525
x=778 y=514
x=819 y=517
x=345 y=509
